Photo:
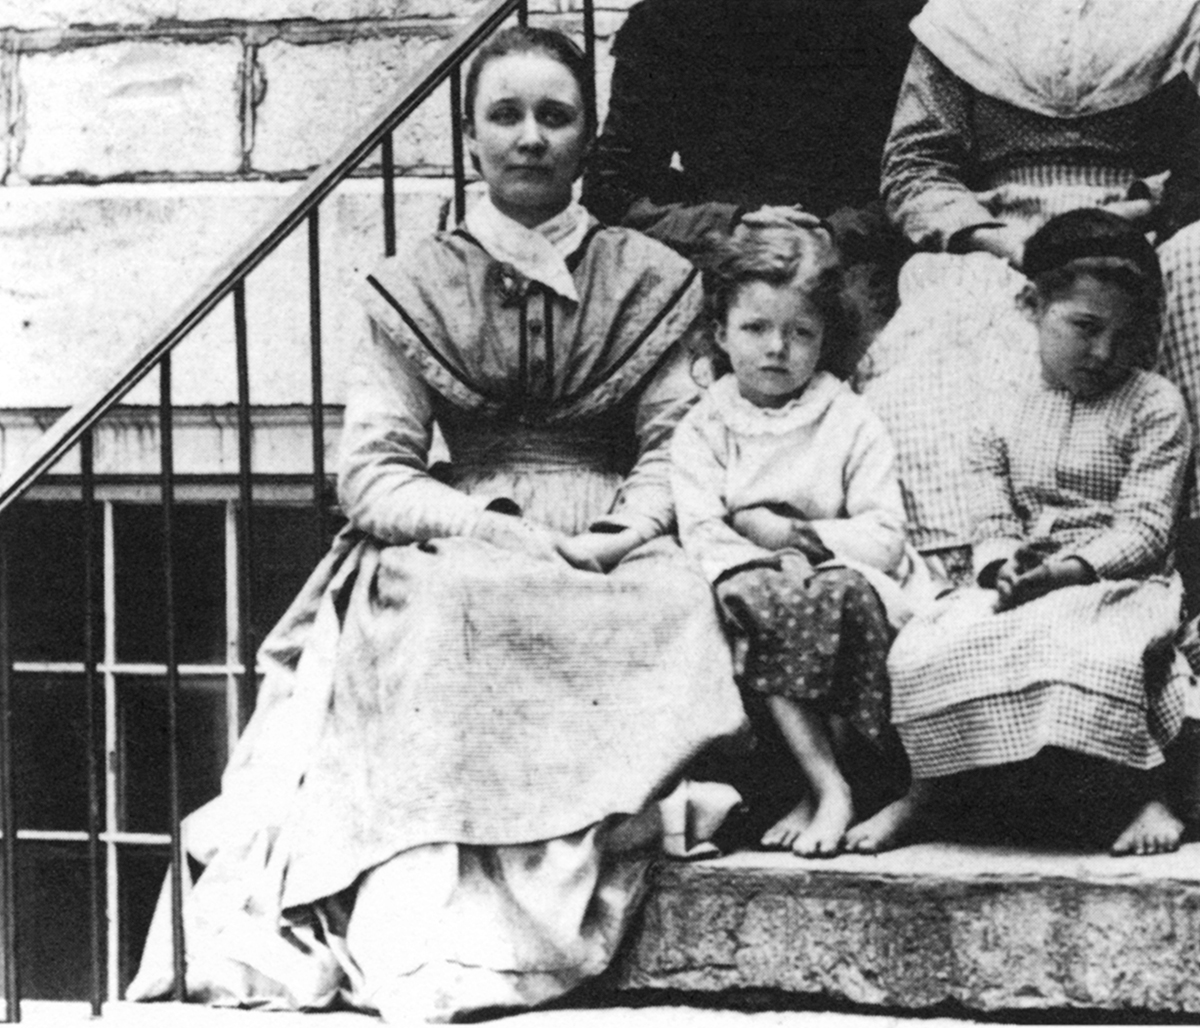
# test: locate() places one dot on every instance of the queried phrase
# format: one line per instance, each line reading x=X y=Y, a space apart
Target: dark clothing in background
x=765 y=101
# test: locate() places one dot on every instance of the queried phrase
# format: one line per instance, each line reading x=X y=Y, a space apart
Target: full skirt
x=417 y=818
x=1088 y=668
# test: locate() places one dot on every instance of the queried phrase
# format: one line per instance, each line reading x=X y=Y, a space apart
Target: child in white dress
x=1064 y=643
x=786 y=494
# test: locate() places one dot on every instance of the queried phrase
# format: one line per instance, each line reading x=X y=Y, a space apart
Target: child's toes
x=815 y=844
x=778 y=839
x=1154 y=830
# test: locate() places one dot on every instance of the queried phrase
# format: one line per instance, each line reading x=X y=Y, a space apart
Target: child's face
x=773 y=336
x=1089 y=337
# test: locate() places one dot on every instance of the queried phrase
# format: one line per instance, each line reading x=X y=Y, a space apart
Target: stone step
x=988 y=928
x=995 y=931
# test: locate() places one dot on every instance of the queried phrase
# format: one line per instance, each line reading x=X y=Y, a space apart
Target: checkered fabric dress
x=1088 y=668
x=958 y=345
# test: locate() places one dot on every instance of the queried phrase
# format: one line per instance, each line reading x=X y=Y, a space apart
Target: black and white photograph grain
x=599 y=513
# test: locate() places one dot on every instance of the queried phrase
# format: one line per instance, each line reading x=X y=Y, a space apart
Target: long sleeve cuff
x=719 y=566
x=422 y=509
x=871 y=544
x=1112 y=554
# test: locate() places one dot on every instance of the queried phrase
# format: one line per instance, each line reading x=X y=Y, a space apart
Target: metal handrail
x=141 y=359
x=77 y=426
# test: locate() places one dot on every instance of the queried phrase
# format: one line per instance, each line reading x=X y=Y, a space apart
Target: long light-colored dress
x=1012 y=112
x=415 y=819
x=1089 y=668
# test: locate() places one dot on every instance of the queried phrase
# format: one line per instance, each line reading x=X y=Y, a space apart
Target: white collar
x=742 y=416
x=1063 y=58
x=538 y=253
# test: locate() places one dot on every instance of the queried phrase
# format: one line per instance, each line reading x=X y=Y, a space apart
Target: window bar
x=245 y=511
x=318 y=393
x=389 y=196
x=589 y=45
x=167 y=447
x=94 y=691
x=8 y=820
x=523 y=13
x=456 y=138
x=233 y=664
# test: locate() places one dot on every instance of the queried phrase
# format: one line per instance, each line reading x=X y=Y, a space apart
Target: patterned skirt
x=819 y=636
x=958 y=344
x=1087 y=668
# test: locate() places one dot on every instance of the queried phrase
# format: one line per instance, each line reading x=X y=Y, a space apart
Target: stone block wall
x=144 y=140
x=97 y=90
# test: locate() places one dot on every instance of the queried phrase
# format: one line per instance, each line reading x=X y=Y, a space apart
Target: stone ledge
x=127 y=443
x=88 y=272
x=989 y=929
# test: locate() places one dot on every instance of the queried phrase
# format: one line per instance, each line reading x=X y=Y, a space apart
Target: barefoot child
x=1065 y=642
x=786 y=493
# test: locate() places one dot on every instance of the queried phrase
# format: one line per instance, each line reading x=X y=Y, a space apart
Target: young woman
x=503 y=659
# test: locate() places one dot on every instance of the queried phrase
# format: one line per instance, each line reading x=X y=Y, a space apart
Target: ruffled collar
x=1063 y=59
x=743 y=417
x=539 y=254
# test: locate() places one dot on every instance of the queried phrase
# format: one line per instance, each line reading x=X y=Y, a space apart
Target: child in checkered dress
x=786 y=494
x=1065 y=641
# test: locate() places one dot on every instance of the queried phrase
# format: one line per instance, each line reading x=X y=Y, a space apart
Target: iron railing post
x=178 y=859
x=318 y=385
x=116 y=380
x=78 y=426
x=456 y=139
x=8 y=816
x=246 y=642
x=94 y=691
x=388 y=168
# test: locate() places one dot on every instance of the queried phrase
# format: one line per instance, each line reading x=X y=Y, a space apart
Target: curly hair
x=783 y=254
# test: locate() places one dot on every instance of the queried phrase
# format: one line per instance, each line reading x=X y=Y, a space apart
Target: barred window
x=50 y=720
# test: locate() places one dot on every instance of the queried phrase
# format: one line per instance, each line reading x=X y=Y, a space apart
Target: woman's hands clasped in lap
x=1029 y=574
x=519 y=535
x=598 y=551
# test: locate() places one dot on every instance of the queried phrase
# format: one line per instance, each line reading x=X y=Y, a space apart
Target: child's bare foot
x=894 y=824
x=827 y=830
x=1154 y=830
x=784 y=832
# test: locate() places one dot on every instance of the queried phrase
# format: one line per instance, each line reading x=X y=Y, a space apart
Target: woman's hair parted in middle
x=783 y=254
x=523 y=39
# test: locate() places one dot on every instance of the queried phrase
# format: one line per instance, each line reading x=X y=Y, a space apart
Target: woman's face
x=528 y=134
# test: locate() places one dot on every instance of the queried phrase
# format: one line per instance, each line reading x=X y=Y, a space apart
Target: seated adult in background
x=503 y=661
x=1012 y=111
x=765 y=102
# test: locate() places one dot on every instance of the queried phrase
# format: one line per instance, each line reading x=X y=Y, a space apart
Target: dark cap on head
x=1089 y=232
